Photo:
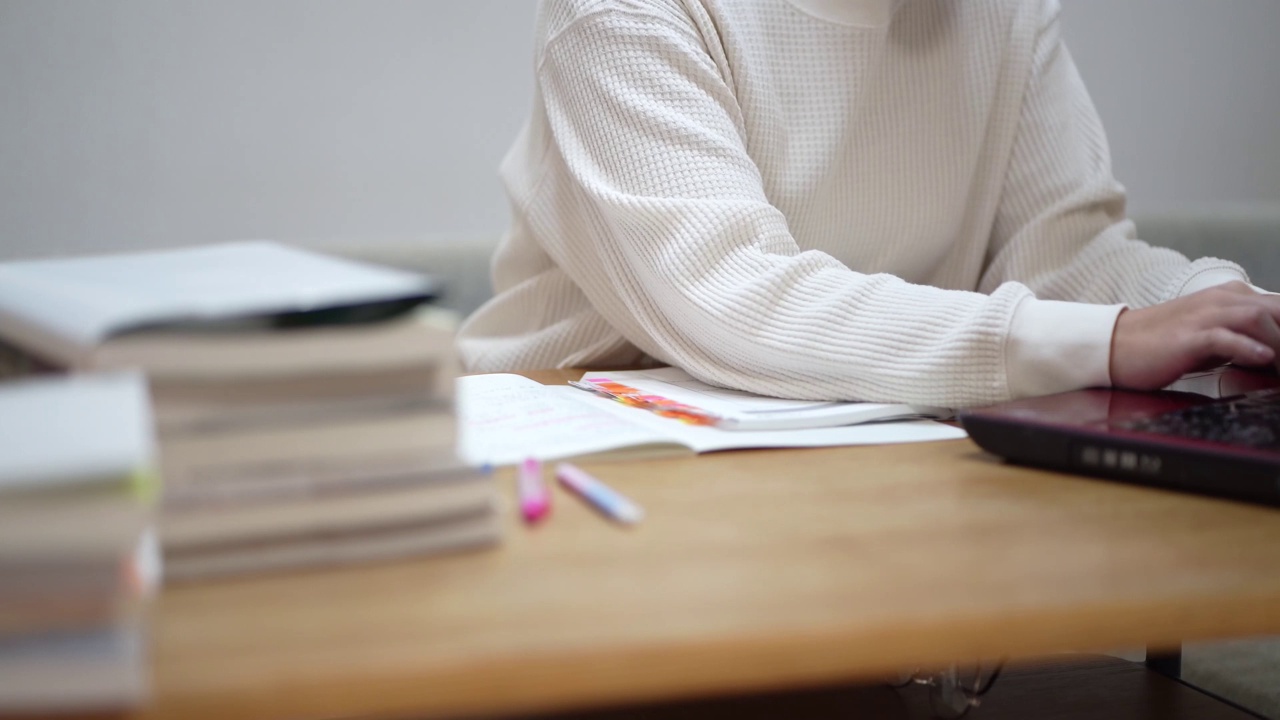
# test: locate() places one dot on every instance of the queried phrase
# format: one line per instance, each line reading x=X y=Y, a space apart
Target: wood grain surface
x=753 y=571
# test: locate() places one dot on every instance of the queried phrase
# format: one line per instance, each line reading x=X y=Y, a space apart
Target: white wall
x=142 y=123
x=1189 y=91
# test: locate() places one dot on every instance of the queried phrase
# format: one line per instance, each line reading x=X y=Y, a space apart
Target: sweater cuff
x=1212 y=278
x=1059 y=346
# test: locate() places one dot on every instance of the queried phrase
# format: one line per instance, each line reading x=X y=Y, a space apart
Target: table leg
x=1166 y=661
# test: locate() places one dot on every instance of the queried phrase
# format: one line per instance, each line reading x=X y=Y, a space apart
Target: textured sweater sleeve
x=690 y=261
x=1061 y=230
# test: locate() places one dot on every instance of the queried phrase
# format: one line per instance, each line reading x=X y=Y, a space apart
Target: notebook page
x=503 y=419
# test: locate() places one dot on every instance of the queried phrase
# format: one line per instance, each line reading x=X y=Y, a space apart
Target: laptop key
x=1251 y=420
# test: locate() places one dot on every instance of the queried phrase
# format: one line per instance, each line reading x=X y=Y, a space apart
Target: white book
x=473 y=531
x=72 y=311
x=302 y=449
x=503 y=419
x=186 y=407
x=378 y=508
x=59 y=432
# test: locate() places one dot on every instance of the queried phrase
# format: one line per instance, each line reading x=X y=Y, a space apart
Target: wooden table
x=753 y=571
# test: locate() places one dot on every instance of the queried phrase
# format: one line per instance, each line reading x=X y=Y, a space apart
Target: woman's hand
x=1154 y=346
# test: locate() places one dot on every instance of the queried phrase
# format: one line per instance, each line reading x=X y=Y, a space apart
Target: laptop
x=1216 y=433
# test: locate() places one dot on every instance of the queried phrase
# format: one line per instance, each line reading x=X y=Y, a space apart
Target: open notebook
x=502 y=419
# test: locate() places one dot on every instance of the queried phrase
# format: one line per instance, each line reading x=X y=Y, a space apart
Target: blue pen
x=601 y=496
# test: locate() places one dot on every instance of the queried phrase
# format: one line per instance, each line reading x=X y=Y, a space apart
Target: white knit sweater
x=902 y=200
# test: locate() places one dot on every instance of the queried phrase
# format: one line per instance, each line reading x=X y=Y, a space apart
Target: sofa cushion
x=461 y=267
x=1249 y=236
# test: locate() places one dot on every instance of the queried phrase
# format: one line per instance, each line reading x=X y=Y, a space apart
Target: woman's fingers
x=1255 y=321
x=1220 y=342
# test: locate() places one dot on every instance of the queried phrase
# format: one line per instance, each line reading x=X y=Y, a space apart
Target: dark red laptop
x=1216 y=433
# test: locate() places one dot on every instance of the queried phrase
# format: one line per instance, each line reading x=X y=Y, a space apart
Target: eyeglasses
x=955 y=690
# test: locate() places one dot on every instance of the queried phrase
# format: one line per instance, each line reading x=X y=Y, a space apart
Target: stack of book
x=303 y=403
x=78 y=556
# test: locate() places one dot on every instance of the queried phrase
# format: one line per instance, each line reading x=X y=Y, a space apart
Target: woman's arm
x=1061 y=230
x=690 y=261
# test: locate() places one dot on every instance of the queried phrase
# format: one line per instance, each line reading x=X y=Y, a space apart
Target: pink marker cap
x=535 y=500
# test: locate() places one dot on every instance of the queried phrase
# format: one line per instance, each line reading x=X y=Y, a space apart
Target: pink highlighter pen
x=535 y=500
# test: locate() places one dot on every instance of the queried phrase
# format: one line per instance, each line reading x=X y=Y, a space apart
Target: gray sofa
x=1244 y=671
x=1249 y=236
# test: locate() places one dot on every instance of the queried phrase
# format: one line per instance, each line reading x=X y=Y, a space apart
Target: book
x=76 y=468
x=188 y=406
x=368 y=505
x=36 y=601
x=475 y=530
x=415 y=338
x=421 y=437
x=303 y=404
x=77 y=595
x=76 y=472
x=85 y=671
x=67 y=526
x=207 y=310
x=78 y=556
x=503 y=419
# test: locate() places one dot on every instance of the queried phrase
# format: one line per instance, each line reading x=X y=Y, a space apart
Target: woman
x=889 y=200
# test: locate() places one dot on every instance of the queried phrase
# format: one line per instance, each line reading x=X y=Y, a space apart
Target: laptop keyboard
x=1251 y=420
